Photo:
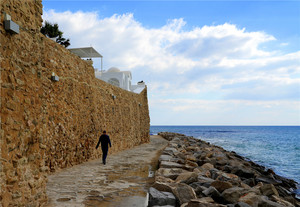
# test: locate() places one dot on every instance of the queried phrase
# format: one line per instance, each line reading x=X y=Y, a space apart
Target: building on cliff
x=121 y=79
x=113 y=76
x=87 y=52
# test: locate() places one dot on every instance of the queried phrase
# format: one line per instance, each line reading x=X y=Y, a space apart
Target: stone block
x=232 y=195
x=221 y=185
x=268 y=190
x=184 y=193
x=161 y=198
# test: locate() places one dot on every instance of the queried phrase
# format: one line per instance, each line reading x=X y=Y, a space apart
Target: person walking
x=104 y=140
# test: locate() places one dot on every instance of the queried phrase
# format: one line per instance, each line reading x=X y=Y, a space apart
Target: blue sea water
x=275 y=147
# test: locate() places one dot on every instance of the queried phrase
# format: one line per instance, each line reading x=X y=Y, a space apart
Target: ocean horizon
x=275 y=147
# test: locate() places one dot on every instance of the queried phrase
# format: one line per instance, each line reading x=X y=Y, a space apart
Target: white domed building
x=121 y=79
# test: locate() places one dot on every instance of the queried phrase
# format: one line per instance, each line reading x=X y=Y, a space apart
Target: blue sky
x=205 y=62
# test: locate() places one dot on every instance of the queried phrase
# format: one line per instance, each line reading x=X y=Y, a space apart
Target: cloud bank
x=210 y=67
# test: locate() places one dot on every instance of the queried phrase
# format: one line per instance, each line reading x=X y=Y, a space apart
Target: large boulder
x=267 y=179
x=282 y=201
x=268 y=190
x=166 y=187
x=184 y=193
x=167 y=164
x=214 y=194
x=250 y=198
x=187 y=177
x=198 y=188
x=221 y=185
x=205 y=181
x=191 y=164
x=207 y=166
x=191 y=158
x=242 y=171
x=165 y=158
x=170 y=151
x=232 y=195
x=228 y=177
x=161 y=198
x=265 y=202
x=170 y=172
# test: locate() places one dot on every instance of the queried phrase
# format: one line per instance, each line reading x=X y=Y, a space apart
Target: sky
x=204 y=62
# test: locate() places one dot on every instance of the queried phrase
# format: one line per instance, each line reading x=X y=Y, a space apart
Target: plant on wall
x=52 y=31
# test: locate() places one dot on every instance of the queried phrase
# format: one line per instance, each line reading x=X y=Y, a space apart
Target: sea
x=275 y=147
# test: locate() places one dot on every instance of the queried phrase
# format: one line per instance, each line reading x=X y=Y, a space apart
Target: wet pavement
x=123 y=181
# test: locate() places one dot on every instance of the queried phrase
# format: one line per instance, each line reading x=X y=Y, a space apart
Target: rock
x=184 y=193
x=166 y=164
x=214 y=173
x=200 y=203
x=170 y=151
x=187 y=177
x=232 y=195
x=207 y=166
x=170 y=172
x=243 y=185
x=242 y=204
x=161 y=198
x=180 y=155
x=170 y=135
x=243 y=172
x=282 y=191
x=250 y=198
x=250 y=182
x=191 y=158
x=287 y=183
x=165 y=158
x=221 y=185
x=163 y=206
x=205 y=181
x=228 y=177
x=206 y=200
x=163 y=179
x=165 y=187
x=191 y=164
x=224 y=177
x=268 y=180
x=214 y=194
x=268 y=190
x=265 y=202
x=193 y=148
x=281 y=201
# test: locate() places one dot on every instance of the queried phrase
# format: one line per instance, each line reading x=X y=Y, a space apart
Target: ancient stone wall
x=48 y=125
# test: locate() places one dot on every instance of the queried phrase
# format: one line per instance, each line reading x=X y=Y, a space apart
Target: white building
x=121 y=79
x=113 y=75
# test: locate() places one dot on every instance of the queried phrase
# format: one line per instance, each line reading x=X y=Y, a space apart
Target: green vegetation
x=52 y=31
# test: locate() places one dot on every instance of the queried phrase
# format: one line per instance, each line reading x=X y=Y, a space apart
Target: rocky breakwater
x=194 y=173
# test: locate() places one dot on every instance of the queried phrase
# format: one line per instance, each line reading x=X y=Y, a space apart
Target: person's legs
x=104 y=155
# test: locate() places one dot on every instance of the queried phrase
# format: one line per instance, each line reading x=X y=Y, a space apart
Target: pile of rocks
x=194 y=173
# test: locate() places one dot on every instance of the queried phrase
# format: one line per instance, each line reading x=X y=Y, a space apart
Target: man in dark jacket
x=104 y=139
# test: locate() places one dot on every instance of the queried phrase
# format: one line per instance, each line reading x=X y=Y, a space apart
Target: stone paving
x=123 y=181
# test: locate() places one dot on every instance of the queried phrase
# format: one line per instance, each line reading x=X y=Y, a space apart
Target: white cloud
x=219 y=62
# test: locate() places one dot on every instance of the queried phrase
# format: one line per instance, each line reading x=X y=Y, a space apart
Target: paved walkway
x=123 y=181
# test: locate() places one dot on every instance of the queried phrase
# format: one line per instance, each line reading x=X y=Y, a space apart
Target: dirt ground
x=123 y=181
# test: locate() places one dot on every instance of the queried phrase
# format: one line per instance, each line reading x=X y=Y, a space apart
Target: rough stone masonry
x=48 y=125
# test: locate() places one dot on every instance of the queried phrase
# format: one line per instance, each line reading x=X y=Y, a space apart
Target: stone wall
x=48 y=125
